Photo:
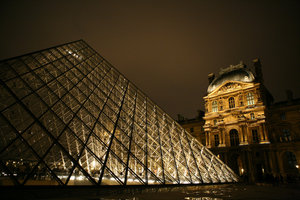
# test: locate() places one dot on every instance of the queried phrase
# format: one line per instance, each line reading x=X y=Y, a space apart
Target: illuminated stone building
x=235 y=117
x=284 y=128
x=255 y=137
x=68 y=117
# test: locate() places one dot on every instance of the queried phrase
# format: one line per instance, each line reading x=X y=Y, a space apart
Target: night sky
x=166 y=48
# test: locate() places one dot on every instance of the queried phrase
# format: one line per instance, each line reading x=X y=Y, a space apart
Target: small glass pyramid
x=68 y=117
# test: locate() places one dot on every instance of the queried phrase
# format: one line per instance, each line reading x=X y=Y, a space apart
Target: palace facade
x=257 y=138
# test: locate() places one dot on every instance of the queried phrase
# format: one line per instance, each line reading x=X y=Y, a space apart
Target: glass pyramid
x=68 y=117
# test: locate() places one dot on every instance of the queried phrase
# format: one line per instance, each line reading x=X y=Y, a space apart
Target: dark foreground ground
x=206 y=192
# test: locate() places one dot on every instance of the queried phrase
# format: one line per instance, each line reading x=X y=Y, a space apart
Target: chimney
x=211 y=77
x=258 y=70
x=289 y=95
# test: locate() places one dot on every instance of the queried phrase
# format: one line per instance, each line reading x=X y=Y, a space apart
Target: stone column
x=246 y=134
x=208 y=143
x=264 y=137
x=222 y=139
x=243 y=129
x=240 y=133
x=260 y=132
x=265 y=132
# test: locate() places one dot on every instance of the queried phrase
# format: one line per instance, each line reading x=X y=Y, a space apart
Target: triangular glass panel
x=6 y=99
x=71 y=143
x=32 y=80
x=90 y=162
x=59 y=162
x=7 y=134
x=38 y=139
x=79 y=178
x=52 y=123
x=35 y=105
x=19 y=66
x=18 y=117
x=109 y=177
x=7 y=72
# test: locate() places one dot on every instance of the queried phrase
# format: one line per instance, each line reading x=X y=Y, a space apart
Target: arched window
x=214 y=106
x=231 y=102
x=234 y=138
x=250 y=98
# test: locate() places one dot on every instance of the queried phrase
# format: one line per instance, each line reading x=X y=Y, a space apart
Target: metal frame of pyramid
x=68 y=117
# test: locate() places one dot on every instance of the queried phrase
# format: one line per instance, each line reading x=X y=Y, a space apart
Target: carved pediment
x=231 y=86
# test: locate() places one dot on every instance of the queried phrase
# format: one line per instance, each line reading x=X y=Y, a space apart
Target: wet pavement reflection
x=214 y=192
x=203 y=192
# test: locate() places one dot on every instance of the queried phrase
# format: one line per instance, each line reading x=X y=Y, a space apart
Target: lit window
x=255 y=136
x=217 y=142
x=234 y=137
x=214 y=106
x=231 y=102
x=250 y=98
x=252 y=116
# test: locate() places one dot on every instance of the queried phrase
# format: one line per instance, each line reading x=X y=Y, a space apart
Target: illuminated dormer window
x=231 y=102
x=250 y=98
x=214 y=106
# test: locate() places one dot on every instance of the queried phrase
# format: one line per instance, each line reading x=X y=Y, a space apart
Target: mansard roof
x=233 y=73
